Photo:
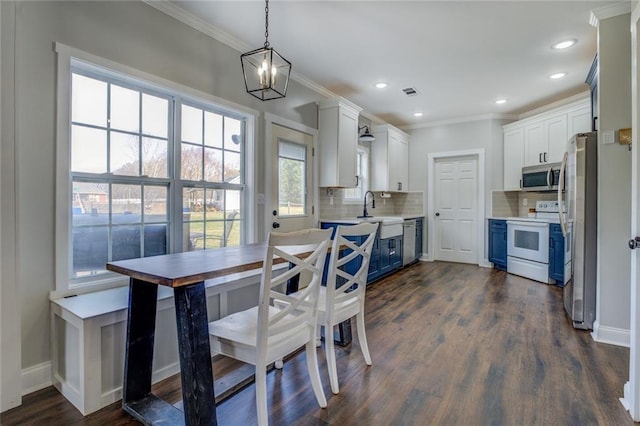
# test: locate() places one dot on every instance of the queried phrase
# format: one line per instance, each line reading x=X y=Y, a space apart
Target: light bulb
x=273 y=75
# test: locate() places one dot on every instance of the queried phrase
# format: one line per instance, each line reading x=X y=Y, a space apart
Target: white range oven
x=528 y=248
x=528 y=242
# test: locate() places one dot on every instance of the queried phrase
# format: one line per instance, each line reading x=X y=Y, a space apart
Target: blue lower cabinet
x=556 y=254
x=498 y=243
x=390 y=254
x=419 y=231
x=386 y=256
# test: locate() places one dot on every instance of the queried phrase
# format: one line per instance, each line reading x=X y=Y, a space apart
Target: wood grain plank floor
x=451 y=344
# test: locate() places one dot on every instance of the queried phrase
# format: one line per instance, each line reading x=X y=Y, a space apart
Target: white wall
x=614 y=179
x=130 y=33
x=481 y=134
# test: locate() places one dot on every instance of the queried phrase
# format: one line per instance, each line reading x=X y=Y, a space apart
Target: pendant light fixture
x=266 y=72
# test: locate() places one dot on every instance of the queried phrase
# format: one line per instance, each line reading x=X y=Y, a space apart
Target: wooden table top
x=180 y=269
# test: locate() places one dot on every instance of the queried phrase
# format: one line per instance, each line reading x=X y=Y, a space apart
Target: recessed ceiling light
x=557 y=75
x=381 y=85
x=501 y=101
x=564 y=44
x=418 y=114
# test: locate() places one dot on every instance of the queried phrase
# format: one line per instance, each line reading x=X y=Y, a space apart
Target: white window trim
x=345 y=200
x=65 y=55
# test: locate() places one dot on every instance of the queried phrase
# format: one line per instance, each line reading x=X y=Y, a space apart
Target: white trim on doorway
x=10 y=311
x=479 y=154
x=270 y=120
x=631 y=398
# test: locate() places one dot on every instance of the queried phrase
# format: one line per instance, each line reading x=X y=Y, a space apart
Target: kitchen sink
x=390 y=226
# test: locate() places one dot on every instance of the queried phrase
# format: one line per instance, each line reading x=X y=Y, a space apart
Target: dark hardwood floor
x=451 y=344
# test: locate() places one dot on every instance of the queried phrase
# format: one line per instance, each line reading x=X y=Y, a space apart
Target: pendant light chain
x=266 y=24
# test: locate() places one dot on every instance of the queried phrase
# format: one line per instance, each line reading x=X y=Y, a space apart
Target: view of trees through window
x=292 y=172
x=125 y=171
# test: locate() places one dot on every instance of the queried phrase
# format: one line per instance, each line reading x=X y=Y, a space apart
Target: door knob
x=275 y=225
x=634 y=243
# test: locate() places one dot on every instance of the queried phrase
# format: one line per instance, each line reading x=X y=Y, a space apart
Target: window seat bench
x=88 y=334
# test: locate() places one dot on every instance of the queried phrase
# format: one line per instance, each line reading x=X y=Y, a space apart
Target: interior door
x=456 y=207
x=292 y=180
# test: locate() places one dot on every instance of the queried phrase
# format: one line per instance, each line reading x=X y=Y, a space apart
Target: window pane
x=191 y=124
x=292 y=176
x=155 y=240
x=125 y=243
x=155 y=203
x=127 y=203
x=90 y=204
x=154 y=157
x=213 y=165
x=232 y=129
x=155 y=116
x=212 y=129
x=88 y=101
x=232 y=167
x=125 y=109
x=191 y=162
x=124 y=154
x=192 y=199
x=90 y=250
x=88 y=150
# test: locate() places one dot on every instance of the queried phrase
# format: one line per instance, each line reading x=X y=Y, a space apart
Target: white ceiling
x=460 y=56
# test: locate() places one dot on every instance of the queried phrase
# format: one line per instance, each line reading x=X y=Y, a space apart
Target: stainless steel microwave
x=543 y=177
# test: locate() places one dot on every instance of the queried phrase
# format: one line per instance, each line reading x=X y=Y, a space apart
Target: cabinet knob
x=634 y=243
x=275 y=225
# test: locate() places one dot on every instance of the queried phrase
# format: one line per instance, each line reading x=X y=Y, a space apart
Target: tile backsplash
x=511 y=203
x=398 y=204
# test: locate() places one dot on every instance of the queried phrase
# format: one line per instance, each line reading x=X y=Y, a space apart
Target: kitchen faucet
x=364 y=205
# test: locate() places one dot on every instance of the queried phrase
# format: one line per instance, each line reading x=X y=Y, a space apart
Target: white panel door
x=291 y=205
x=456 y=208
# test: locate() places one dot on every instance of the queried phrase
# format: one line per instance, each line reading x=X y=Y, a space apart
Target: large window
x=151 y=171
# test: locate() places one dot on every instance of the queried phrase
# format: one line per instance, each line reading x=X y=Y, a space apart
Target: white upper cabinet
x=542 y=139
x=545 y=141
x=389 y=159
x=579 y=121
x=513 y=158
x=338 y=142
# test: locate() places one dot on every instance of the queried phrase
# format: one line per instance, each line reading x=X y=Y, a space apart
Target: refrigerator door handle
x=563 y=219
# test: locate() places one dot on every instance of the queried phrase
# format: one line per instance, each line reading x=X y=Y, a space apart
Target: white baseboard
x=36 y=378
x=611 y=335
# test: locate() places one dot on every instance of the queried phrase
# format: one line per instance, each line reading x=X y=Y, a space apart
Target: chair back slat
x=299 y=312
x=350 y=286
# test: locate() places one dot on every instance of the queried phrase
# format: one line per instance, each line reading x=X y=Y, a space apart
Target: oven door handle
x=528 y=224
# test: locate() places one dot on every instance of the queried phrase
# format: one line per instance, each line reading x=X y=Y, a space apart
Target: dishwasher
x=409 y=242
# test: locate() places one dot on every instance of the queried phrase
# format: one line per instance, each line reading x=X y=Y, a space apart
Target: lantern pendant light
x=266 y=72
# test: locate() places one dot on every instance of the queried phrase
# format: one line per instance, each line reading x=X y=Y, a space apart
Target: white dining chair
x=266 y=333
x=344 y=295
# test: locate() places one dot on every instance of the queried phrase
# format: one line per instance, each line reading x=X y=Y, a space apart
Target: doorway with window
x=290 y=196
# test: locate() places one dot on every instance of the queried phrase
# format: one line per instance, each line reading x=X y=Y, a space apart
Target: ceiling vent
x=410 y=91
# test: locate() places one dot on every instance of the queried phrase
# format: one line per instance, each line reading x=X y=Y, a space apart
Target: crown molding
x=575 y=99
x=460 y=120
x=610 y=11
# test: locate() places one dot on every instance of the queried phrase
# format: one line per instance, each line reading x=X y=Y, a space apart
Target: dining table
x=186 y=273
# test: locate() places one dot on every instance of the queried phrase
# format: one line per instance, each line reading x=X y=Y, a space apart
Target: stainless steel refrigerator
x=580 y=169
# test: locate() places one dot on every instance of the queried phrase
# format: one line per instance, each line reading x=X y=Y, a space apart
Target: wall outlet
x=525 y=202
